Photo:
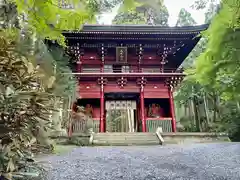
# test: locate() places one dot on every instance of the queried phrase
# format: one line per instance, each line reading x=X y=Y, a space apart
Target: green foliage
x=129 y=5
x=24 y=103
x=54 y=58
x=197 y=100
x=8 y=15
x=143 y=13
x=185 y=18
x=65 y=83
x=49 y=18
x=213 y=8
x=213 y=73
x=161 y=16
x=219 y=64
x=202 y=4
x=131 y=17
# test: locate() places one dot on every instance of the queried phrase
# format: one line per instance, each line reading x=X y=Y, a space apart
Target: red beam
x=97 y=74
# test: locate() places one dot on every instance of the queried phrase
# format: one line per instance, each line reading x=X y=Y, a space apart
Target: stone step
x=124 y=142
x=151 y=138
x=125 y=139
x=125 y=134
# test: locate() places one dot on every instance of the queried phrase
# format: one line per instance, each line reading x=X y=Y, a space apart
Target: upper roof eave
x=146 y=29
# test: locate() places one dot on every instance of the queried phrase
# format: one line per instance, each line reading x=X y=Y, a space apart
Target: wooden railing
x=90 y=124
x=128 y=69
x=154 y=123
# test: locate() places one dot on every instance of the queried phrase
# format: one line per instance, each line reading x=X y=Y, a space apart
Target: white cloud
x=173 y=6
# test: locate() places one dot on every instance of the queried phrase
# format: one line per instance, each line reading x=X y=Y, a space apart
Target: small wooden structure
x=127 y=74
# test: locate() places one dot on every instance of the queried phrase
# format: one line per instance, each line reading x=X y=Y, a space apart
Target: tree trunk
x=238 y=106
x=215 y=108
x=196 y=115
x=206 y=109
x=189 y=115
x=195 y=110
x=185 y=111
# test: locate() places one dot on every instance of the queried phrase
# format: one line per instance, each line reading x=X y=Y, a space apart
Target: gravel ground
x=172 y=162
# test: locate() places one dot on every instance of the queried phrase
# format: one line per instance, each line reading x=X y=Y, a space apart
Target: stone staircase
x=139 y=138
x=118 y=139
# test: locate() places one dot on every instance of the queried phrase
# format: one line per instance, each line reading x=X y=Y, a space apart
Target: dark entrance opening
x=162 y=103
x=90 y=105
x=121 y=112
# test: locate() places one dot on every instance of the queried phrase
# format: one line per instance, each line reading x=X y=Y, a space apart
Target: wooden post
x=140 y=57
x=174 y=128
x=144 y=128
x=102 y=129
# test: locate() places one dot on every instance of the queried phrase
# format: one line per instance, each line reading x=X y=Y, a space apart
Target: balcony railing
x=128 y=69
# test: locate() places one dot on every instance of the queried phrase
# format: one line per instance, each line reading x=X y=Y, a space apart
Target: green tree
x=198 y=102
x=212 y=9
x=203 y=4
x=188 y=95
x=147 y=12
x=49 y=18
x=185 y=18
x=215 y=69
x=219 y=63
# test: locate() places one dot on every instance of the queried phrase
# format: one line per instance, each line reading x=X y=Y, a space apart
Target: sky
x=173 y=6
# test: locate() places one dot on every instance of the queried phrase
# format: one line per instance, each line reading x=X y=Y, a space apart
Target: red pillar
x=102 y=105
x=144 y=128
x=101 y=109
x=174 y=127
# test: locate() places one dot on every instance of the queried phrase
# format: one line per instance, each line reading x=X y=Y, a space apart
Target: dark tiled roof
x=148 y=29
